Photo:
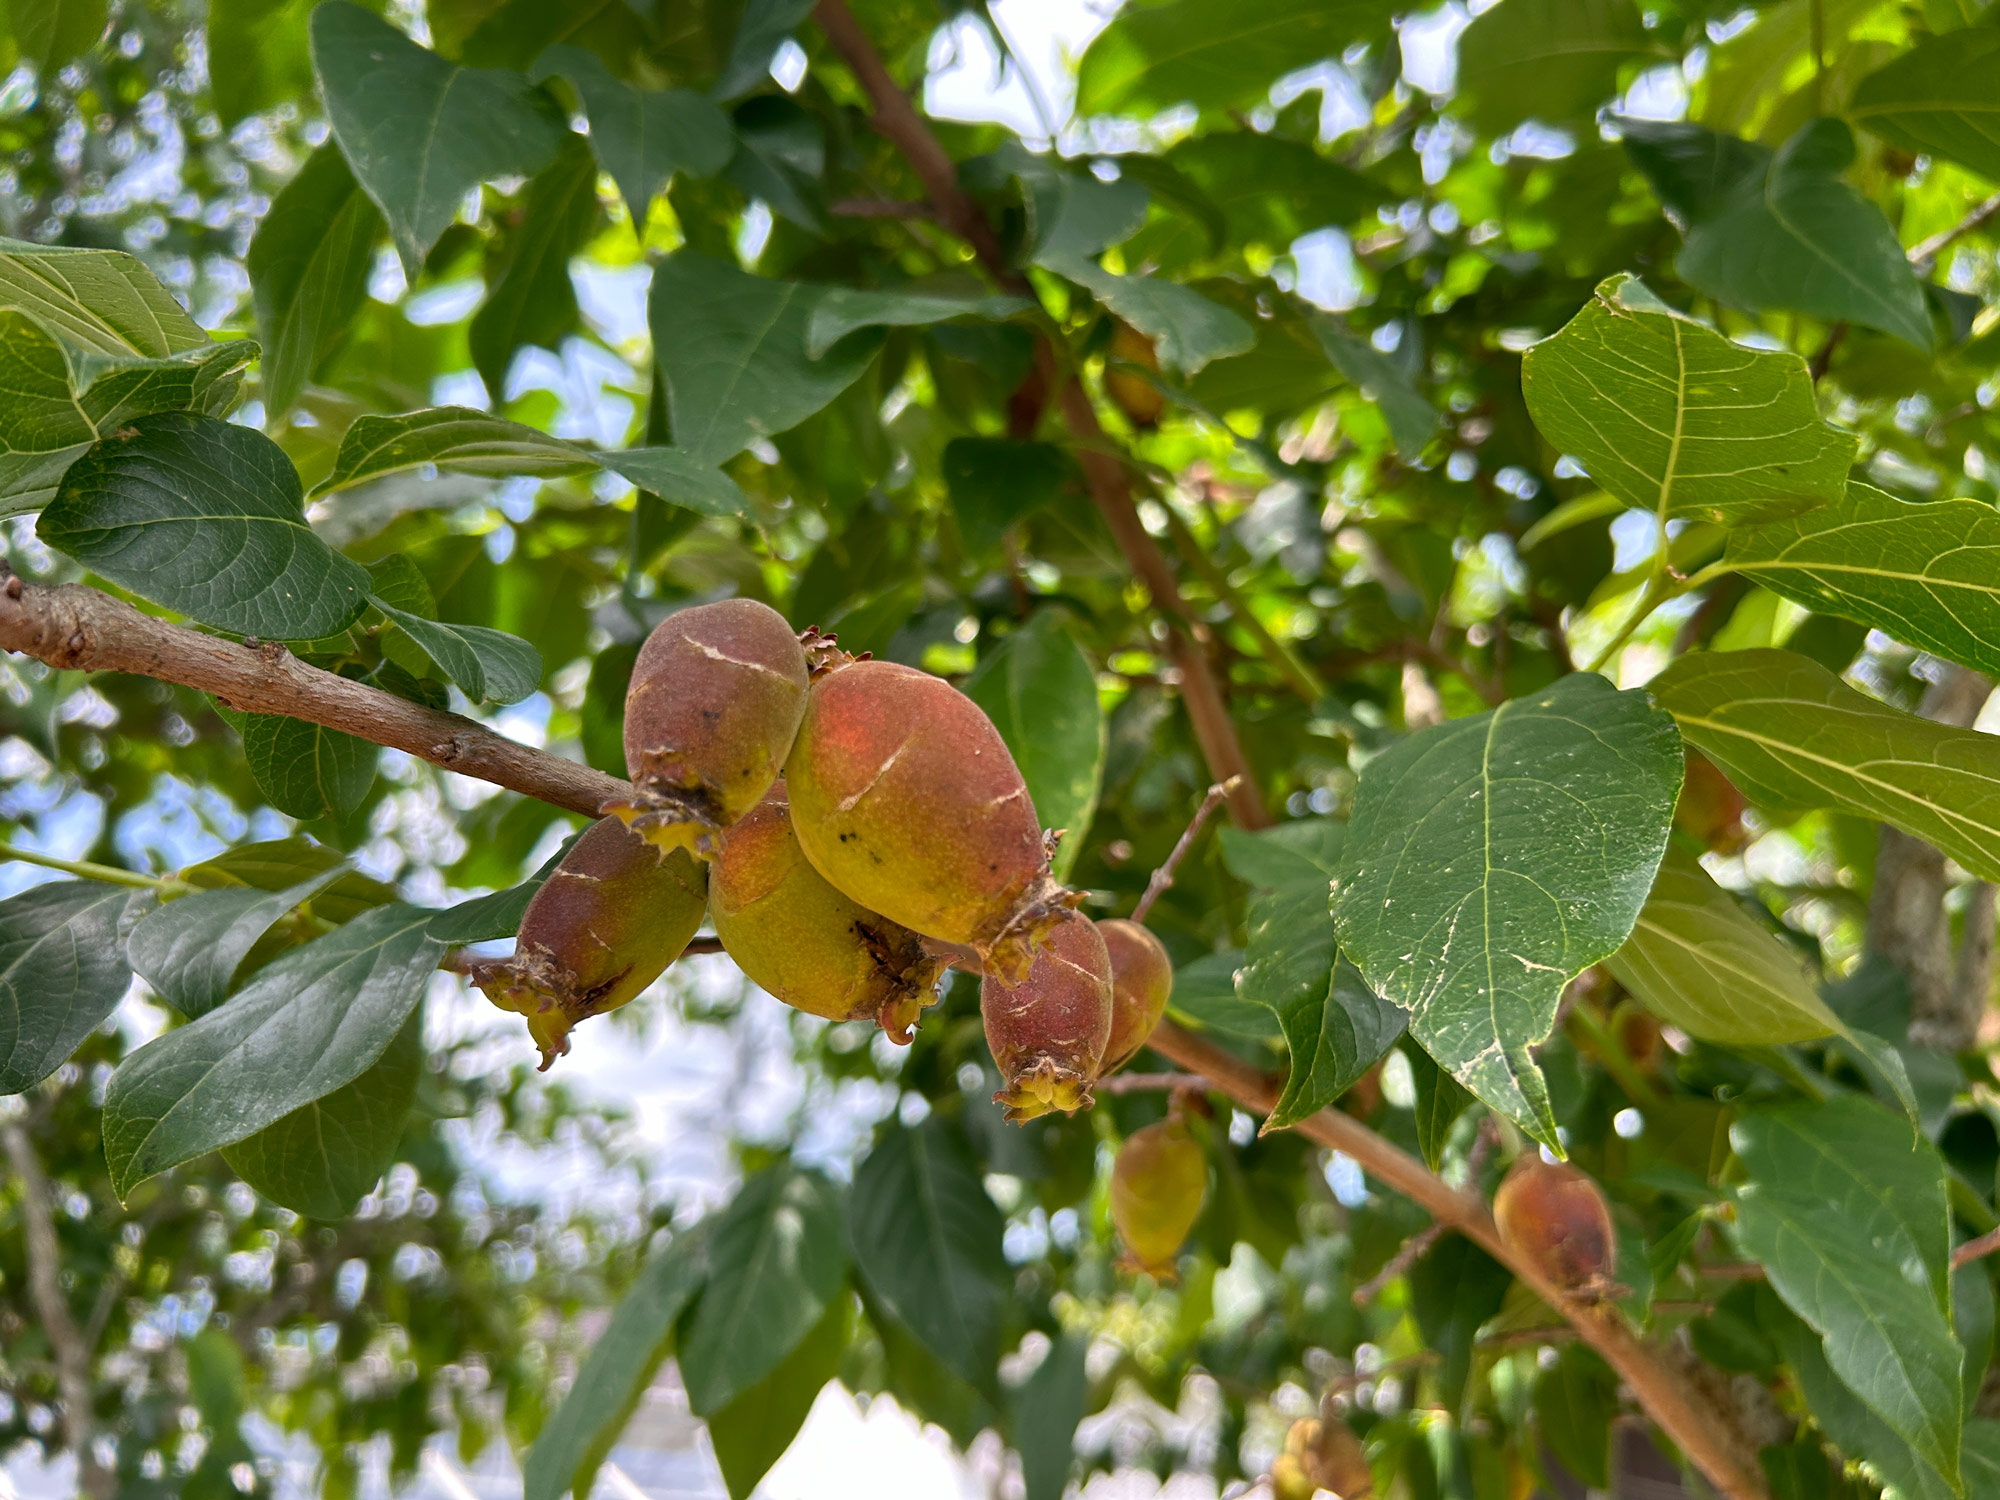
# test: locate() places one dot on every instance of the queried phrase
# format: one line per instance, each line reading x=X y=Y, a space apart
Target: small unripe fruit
x=604 y=925
x=716 y=696
x=1554 y=1217
x=1709 y=808
x=798 y=938
x=1142 y=981
x=906 y=798
x=1047 y=1033
x=1157 y=1187
x=1136 y=396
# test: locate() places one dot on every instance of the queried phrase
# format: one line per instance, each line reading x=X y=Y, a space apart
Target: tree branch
x=1705 y=1434
x=1924 y=252
x=44 y=1256
x=73 y=627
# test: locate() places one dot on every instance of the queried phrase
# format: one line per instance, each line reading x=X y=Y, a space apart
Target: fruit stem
x=1164 y=876
x=109 y=874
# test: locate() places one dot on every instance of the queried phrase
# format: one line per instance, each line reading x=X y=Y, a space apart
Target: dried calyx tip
x=1042 y=1089
x=823 y=653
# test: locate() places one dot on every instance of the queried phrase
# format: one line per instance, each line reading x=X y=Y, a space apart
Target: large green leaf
x=307 y=769
x=1845 y=1209
x=419 y=132
x=733 y=348
x=489 y=664
x=1040 y=691
x=621 y=1363
x=310 y=1022
x=842 y=310
x=752 y=1432
x=533 y=300
x=778 y=1257
x=277 y=864
x=1212 y=53
x=1940 y=98
x=309 y=264
x=89 y=340
x=1492 y=859
x=1794 y=737
x=326 y=1156
x=207 y=518
x=475 y=442
x=1550 y=60
x=1671 y=417
x=927 y=1239
x=1046 y=1411
x=258 y=55
x=1698 y=960
x=1187 y=329
x=189 y=949
x=1301 y=852
x=994 y=482
x=62 y=971
x=642 y=137
x=1927 y=574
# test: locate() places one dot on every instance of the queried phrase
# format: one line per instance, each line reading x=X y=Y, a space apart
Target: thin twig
x=1164 y=876
x=1141 y=1083
x=1407 y=1254
x=109 y=874
x=1972 y=1250
x=1924 y=252
x=879 y=208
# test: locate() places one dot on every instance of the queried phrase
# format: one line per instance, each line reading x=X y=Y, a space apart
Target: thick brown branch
x=1704 y=1433
x=79 y=628
x=44 y=1255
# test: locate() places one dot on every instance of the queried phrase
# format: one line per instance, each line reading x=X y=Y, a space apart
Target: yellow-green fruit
x=906 y=798
x=604 y=925
x=1157 y=1187
x=1136 y=396
x=797 y=937
x=715 y=700
x=1047 y=1033
x=1142 y=981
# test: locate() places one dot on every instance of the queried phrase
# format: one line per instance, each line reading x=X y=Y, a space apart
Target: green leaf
x=52 y=32
x=1440 y=1101
x=1794 y=737
x=779 y=1257
x=1040 y=691
x=533 y=301
x=1940 y=98
x=313 y=1020
x=1187 y=329
x=474 y=442
x=995 y=482
x=1845 y=1209
x=1576 y=1406
x=1252 y=189
x=1927 y=574
x=489 y=664
x=1454 y=1288
x=1408 y=413
x=1696 y=959
x=89 y=340
x=1205 y=993
x=1549 y=60
x=1211 y=53
x=733 y=349
x=189 y=949
x=927 y=1239
x=1296 y=853
x=279 y=863
x=642 y=137
x=1046 y=1411
x=752 y=1432
x=1790 y=235
x=306 y=769
x=1492 y=859
x=1673 y=418
x=325 y=1157
x=257 y=55
x=62 y=971
x=620 y=1365
x=765 y=24
x=309 y=264
x=498 y=915
x=206 y=518
x=419 y=132
x=841 y=310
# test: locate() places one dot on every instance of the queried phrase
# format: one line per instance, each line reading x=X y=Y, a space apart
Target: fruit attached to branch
x=1157 y=1187
x=1553 y=1216
x=604 y=925
x=1047 y=1033
x=1136 y=396
x=716 y=696
x=905 y=797
x=797 y=937
x=1142 y=981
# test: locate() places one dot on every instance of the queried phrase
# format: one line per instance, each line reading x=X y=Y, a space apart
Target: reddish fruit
x=604 y=925
x=1142 y=980
x=715 y=700
x=1136 y=396
x=1710 y=808
x=1048 y=1032
x=1555 y=1218
x=905 y=797
x=1157 y=1188
x=797 y=937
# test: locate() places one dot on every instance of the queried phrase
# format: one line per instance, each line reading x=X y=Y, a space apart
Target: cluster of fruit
x=852 y=827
